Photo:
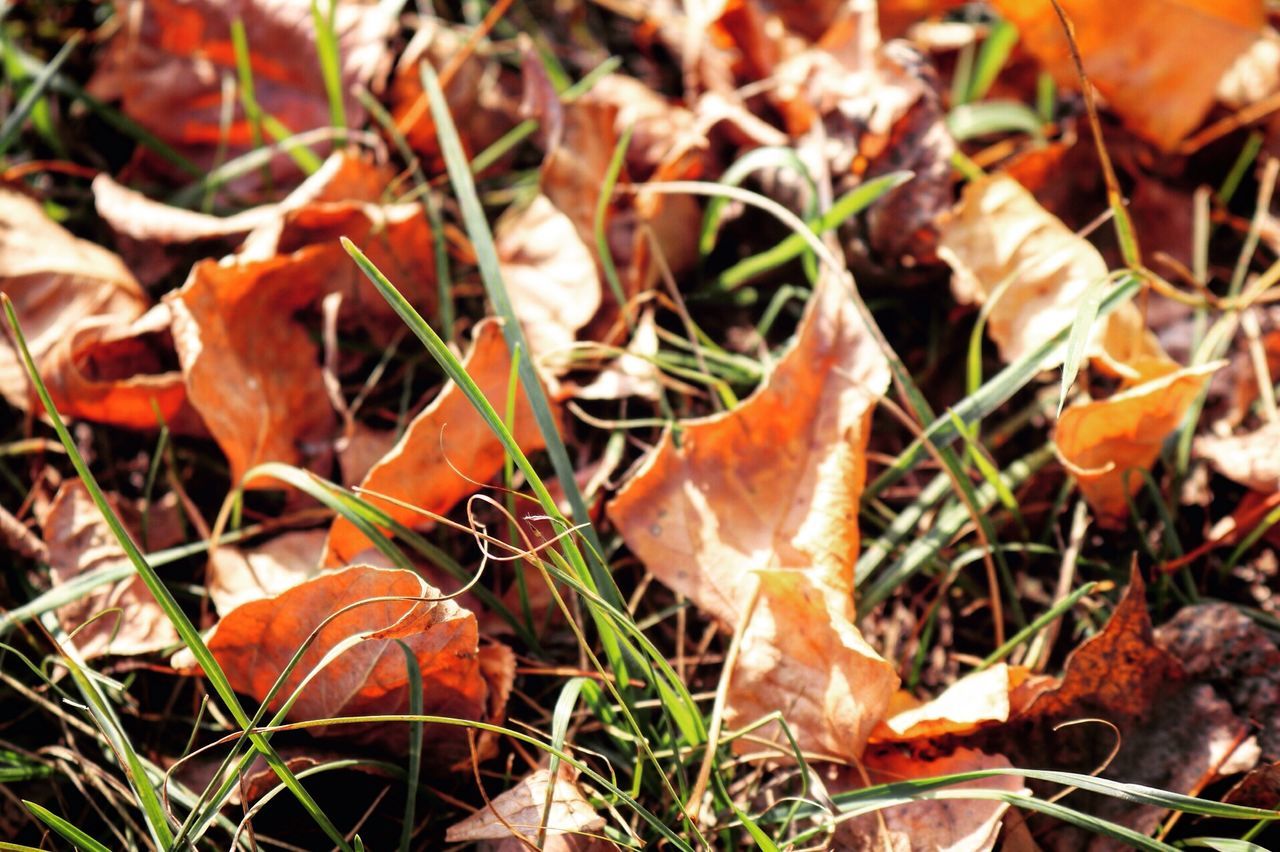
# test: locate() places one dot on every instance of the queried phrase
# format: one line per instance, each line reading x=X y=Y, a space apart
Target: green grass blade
x=992 y=58
x=415 y=746
x=35 y=91
x=969 y=121
x=330 y=61
x=1036 y=626
x=1081 y=329
x=65 y=830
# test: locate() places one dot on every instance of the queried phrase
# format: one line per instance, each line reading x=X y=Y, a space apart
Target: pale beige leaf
x=1251 y=459
x=238 y=575
x=569 y=822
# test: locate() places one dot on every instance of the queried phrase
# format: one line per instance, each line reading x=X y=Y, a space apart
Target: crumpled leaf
x=238 y=575
x=447 y=449
x=252 y=370
x=122 y=373
x=1001 y=244
x=665 y=146
x=1143 y=69
x=138 y=217
x=519 y=813
x=633 y=373
x=772 y=488
x=551 y=278
x=167 y=61
x=254 y=642
x=954 y=825
x=1174 y=734
x=1249 y=459
x=973 y=702
x=56 y=282
x=1106 y=442
x=79 y=540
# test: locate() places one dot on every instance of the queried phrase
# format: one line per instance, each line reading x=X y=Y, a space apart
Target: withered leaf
x=167 y=61
x=1005 y=249
x=1249 y=459
x=238 y=575
x=1108 y=442
x=1143 y=69
x=79 y=540
x=254 y=642
x=446 y=450
x=515 y=817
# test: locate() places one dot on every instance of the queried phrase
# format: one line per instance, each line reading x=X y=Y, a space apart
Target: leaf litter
x=735 y=431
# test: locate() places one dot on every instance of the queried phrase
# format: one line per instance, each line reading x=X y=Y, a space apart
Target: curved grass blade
x=64 y=829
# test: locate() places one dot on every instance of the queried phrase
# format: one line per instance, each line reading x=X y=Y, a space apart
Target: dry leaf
x=79 y=541
x=939 y=825
x=56 y=281
x=570 y=822
x=551 y=278
x=122 y=373
x=251 y=369
x=1248 y=459
x=1173 y=734
x=138 y=217
x=1160 y=71
x=1107 y=443
x=254 y=642
x=447 y=452
x=167 y=62
x=238 y=575
x=633 y=373
x=772 y=488
x=1001 y=245
x=968 y=704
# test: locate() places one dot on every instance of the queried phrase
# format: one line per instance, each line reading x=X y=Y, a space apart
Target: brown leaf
x=772 y=488
x=1172 y=733
x=1107 y=442
x=138 y=217
x=167 y=61
x=251 y=369
x=955 y=825
x=447 y=452
x=633 y=373
x=551 y=278
x=1143 y=68
x=1002 y=245
x=1248 y=459
x=572 y=825
x=254 y=642
x=238 y=575
x=78 y=541
x=56 y=282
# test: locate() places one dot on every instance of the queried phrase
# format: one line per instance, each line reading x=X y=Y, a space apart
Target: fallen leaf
x=1142 y=68
x=56 y=282
x=1108 y=442
x=954 y=825
x=1169 y=732
x=1249 y=459
x=551 y=278
x=447 y=452
x=515 y=817
x=772 y=488
x=633 y=373
x=970 y=703
x=1030 y=272
x=802 y=656
x=79 y=541
x=1218 y=644
x=122 y=373
x=167 y=61
x=254 y=642
x=238 y=575
x=138 y=217
x=251 y=369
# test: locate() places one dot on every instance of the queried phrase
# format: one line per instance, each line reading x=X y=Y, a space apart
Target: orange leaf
x=254 y=642
x=1108 y=441
x=1160 y=70
x=772 y=488
x=447 y=452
